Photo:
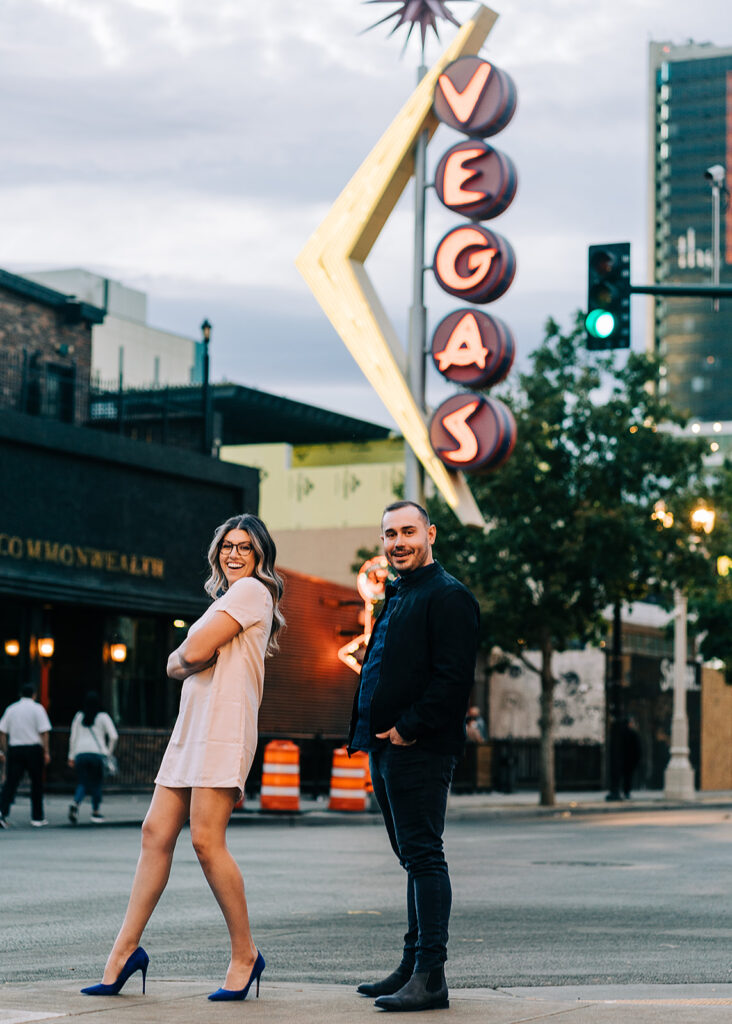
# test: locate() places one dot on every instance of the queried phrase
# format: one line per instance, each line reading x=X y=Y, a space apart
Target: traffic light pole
x=691 y=291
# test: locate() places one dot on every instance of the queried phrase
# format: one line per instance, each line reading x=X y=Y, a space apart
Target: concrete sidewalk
x=291 y=1003
x=129 y=809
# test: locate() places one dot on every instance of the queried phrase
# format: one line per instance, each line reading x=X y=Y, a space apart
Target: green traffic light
x=600 y=323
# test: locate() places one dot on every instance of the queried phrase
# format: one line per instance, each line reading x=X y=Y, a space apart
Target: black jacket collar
x=419 y=576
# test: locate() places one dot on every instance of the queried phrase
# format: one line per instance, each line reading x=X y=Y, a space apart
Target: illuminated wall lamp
x=46 y=646
x=118 y=651
x=12 y=648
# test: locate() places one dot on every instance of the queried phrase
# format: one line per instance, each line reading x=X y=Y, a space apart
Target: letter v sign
x=464 y=101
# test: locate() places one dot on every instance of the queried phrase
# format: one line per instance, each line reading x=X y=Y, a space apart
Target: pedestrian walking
x=475 y=731
x=24 y=745
x=211 y=749
x=632 y=752
x=409 y=713
x=92 y=740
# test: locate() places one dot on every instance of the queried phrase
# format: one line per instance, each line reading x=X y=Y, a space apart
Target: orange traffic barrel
x=348 y=781
x=280 y=790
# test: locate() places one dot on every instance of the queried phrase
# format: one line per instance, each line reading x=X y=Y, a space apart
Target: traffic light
x=608 y=296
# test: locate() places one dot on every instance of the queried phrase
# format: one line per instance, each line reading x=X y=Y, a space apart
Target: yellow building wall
x=323 y=502
x=298 y=492
x=716 y=731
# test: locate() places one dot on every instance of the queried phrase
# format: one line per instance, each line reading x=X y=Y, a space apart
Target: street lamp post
x=715 y=175
x=45 y=647
x=414 y=474
x=206 y=440
x=678 y=780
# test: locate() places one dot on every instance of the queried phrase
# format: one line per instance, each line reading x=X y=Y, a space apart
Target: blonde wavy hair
x=265 y=552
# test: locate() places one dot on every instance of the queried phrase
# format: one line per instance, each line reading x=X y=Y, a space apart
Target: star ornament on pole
x=415 y=12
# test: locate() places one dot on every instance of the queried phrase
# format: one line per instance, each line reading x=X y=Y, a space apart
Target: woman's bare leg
x=168 y=813
x=210 y=813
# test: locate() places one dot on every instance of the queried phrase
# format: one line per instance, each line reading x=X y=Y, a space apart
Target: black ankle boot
x=389 y=985
x=425 y=990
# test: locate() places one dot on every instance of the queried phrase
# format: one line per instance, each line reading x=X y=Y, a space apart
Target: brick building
x=45 y=350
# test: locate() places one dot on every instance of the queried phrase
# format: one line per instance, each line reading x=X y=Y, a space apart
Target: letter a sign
x=473 y=349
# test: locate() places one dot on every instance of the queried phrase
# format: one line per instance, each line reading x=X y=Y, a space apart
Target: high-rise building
x=690 y=155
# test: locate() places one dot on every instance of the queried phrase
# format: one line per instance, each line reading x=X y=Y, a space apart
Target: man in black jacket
x=409 y=713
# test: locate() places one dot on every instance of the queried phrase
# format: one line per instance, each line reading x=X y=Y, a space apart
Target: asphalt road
x=589 y=899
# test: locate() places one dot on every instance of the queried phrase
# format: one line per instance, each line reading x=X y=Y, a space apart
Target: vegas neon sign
x=471 y=431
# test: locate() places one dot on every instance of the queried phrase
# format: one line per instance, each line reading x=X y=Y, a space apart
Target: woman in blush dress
x=203 y=771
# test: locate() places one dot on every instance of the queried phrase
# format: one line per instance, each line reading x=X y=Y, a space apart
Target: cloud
x=191 y=147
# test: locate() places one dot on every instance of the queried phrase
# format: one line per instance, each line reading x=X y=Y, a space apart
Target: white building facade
x=126 y=350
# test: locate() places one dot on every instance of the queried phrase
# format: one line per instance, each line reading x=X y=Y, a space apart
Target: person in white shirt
x=24 y=744
x=92 y=739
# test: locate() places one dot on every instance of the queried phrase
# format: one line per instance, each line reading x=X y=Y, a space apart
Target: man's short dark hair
x=407 y=504
x=28 y=690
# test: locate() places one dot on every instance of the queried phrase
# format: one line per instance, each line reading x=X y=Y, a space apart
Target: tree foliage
x=570 y=513
x=711 y=599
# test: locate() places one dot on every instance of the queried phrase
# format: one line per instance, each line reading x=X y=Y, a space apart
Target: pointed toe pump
x=225 y=994
x=137 y=962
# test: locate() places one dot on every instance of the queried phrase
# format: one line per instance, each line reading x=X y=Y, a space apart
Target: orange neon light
x=371 y=583
x=464 y=347
x=372 y=578
x=452 y=247
x=347 y=653
x=463 y=102
x=456 y=424
x=456 y=175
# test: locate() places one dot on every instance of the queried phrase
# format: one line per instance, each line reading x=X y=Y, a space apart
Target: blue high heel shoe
x=223 y=994
x=137 y=962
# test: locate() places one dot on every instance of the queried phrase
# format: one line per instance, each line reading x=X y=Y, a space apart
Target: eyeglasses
x=244 y=548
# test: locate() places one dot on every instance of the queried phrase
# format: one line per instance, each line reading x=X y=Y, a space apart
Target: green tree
x=710 y=599
x=570 y=528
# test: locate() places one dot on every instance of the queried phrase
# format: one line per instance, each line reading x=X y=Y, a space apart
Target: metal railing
x=33 y=384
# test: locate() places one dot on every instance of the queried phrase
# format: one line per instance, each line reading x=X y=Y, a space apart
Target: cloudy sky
x=190 y=147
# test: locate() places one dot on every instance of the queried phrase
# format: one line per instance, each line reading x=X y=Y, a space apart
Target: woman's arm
x=201 y=649
x=110 y=733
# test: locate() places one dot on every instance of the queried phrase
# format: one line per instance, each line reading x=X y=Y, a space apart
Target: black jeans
x=22 y=759
x=411 y=787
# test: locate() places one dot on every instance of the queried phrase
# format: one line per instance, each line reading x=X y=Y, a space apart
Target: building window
x=48 y=389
